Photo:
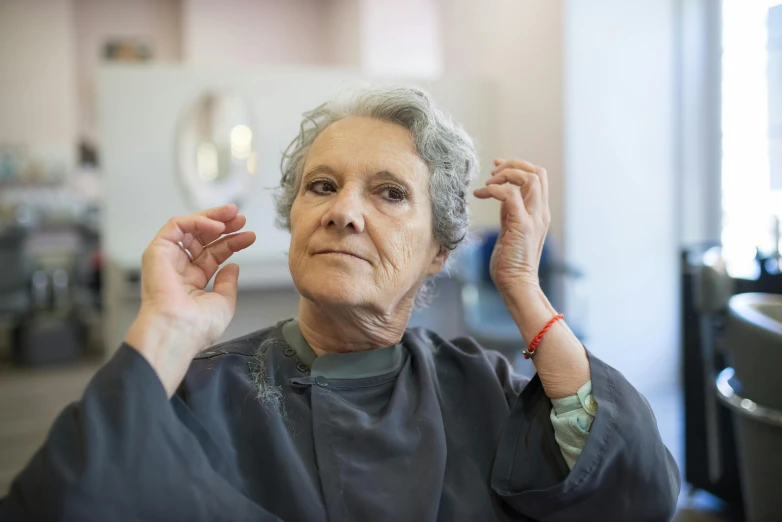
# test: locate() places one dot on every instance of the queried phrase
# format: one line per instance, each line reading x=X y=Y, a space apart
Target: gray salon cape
x=427 y=430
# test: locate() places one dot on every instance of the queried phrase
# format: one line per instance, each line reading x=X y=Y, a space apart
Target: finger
x=226 y=246
x=543 y=174
x=196 y=243
x=529 y=183
x=509 y=195
x=515 y=176
x=178 y=228
x=515 y=164
x=219 y=251
x=222 y=213
x=235 y=225
x=227 y=282
x=228 y=214
x=499 y=161
x=193 y=245
x=527 y=167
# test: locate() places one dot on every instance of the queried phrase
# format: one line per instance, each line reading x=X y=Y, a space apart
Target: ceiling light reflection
x=241 y=142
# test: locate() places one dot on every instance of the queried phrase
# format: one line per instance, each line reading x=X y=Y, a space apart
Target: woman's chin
x=332 y=290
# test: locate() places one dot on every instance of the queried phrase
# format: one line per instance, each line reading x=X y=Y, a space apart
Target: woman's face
x=361 y=224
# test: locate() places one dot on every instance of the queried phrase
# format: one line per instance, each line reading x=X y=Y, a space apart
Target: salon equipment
x=752 y=390
x=711 y=457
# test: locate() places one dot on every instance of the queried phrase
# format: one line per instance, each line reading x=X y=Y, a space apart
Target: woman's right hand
x=178 y=317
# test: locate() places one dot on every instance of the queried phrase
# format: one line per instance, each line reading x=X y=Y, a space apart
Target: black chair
x=15 y=272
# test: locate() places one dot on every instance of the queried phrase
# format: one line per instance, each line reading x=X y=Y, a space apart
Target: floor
x=30 y=399
x=694 y=505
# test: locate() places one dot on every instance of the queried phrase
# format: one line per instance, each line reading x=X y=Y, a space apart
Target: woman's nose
x=346 y=211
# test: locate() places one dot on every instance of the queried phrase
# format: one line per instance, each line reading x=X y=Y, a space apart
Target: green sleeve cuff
x=582 y=399
x=572 y=418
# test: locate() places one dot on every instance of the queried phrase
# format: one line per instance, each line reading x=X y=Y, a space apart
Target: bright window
x=750 y=201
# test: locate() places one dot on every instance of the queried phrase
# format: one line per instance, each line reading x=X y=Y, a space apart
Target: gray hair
x=267 y=392
x=445 y=147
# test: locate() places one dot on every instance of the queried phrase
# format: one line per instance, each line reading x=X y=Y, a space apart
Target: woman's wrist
x=560 y=360
x=528 y=306
x=169 y=348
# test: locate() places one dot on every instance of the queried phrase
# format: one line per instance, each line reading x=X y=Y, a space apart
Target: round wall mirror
x=216 y=150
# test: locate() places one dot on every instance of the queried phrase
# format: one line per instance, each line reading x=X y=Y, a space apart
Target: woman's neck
x=334 y=330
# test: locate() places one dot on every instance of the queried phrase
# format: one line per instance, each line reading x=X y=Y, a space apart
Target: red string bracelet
x=529 y=352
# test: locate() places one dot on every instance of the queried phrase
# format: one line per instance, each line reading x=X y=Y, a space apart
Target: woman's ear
x=438 y=262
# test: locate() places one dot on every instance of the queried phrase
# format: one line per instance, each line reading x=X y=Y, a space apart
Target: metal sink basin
x=763 y=310
x=754 y=339
x=752 y=389
x=771 y=310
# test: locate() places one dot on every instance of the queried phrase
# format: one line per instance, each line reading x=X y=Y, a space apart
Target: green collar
x=350 y=365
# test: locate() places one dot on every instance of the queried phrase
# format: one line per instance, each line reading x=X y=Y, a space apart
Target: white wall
x=254 y=32
x=621 y=180
x=37 y=95
x=699 y=106
x=153 y=22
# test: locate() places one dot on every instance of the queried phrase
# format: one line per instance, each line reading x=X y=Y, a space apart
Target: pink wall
x=254 y=32
x=154 y=22
x=519 y=45
x=37 y=96
x=401 y=38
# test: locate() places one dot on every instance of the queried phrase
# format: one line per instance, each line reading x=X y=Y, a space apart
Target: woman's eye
x=321 y=187
x=394 y=194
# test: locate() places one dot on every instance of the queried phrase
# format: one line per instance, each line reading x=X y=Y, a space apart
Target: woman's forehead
x=366 y=143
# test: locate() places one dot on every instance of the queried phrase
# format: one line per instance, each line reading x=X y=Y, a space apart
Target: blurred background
x=659 y=121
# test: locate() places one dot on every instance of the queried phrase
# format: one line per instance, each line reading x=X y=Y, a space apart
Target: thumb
x=227 y=281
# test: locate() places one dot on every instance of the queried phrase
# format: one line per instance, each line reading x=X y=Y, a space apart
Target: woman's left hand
x=522 y=188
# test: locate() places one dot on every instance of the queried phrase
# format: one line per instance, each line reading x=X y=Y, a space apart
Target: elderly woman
x=342 y=413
